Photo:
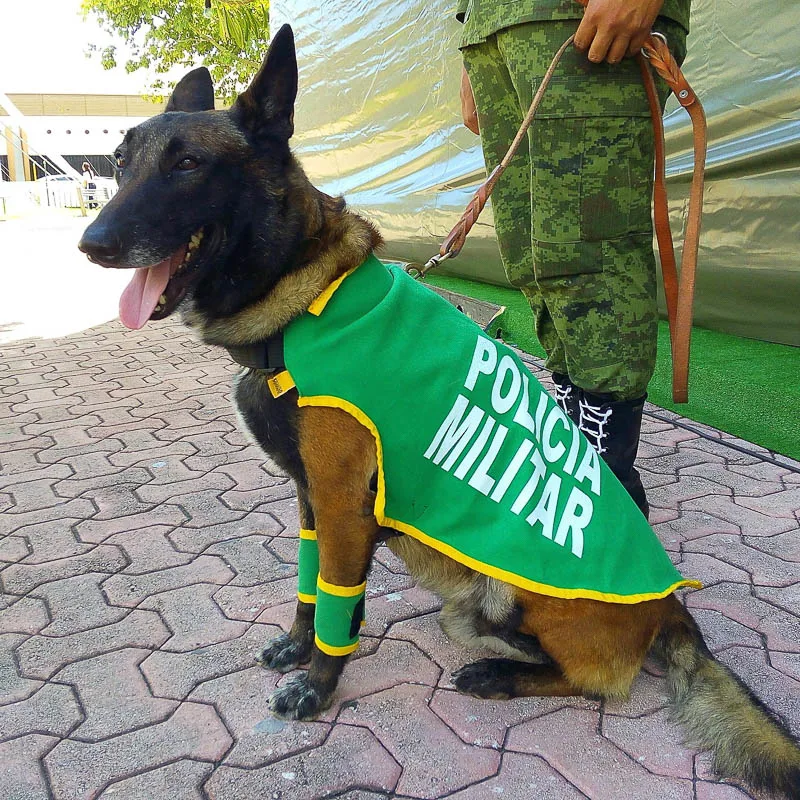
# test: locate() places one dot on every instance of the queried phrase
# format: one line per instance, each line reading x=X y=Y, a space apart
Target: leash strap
x=452 y=245
x=679 y=292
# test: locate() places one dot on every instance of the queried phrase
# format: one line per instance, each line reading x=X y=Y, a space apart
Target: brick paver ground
x=147 y=550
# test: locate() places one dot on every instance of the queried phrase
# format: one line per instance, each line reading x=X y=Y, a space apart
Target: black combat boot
x=613 y=428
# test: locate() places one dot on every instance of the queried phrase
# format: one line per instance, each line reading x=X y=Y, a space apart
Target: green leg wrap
x=338 y=617
x=307 y=567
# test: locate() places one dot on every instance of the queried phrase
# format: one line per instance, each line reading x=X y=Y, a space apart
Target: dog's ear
x=266 y=107
x=193 y=92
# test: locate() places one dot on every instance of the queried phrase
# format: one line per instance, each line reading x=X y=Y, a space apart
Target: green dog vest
x=475 y=459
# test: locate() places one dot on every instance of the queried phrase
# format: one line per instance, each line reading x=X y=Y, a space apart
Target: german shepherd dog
x=218 y=219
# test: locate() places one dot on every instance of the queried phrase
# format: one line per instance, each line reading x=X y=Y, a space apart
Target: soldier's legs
x=594 y=287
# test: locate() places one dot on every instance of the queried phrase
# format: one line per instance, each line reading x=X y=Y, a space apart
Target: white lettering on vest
x=512 y=470
x=472 y=454
x=545 y=511
x=481 y=480
x=469 y=436
x=553 y=452
x=502 y=403
x=589 y=469
x=577 y=515
x=484 y=360
x=529 y=488
x=572 y=458
x=540 y=409
x=522 y=416
x=454 y=433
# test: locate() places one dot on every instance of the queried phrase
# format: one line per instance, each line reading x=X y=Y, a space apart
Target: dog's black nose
x=100 y=244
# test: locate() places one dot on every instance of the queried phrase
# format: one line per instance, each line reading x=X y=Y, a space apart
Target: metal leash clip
x=656 y=35
x=418 y=272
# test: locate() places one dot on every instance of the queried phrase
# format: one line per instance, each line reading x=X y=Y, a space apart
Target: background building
x=79 y=127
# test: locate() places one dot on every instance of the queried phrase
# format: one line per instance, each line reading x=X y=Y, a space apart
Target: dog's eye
x=120 y=160
x=187 y=164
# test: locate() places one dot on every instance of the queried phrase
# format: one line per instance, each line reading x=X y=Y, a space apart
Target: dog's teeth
x=162 y=301
x=194 y=243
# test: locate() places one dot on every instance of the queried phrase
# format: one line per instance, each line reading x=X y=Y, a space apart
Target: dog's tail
x=722 y=715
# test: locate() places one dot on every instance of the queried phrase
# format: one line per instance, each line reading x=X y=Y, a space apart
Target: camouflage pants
x=573 y=212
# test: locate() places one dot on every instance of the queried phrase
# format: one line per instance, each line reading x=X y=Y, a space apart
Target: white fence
x=53 y=191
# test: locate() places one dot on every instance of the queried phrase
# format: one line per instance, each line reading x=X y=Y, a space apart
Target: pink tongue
x=140 y=296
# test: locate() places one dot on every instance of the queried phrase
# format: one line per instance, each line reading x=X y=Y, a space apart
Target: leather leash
x=679 y=292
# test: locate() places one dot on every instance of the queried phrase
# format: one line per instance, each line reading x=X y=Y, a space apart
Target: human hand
x=612 y=29
x=468 y=111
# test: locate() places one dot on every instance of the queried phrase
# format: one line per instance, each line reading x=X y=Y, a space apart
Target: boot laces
x=563 y=394
x=593 y=420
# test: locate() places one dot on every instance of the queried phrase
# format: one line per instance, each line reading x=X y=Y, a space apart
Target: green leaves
x=161 y=34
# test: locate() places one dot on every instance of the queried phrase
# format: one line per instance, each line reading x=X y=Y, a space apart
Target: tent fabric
x=378 y=121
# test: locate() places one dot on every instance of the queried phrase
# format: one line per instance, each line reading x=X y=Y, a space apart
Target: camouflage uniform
x=573 y=214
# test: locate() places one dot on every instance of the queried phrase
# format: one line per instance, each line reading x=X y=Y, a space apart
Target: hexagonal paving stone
x=349 y=757
x=80 y=770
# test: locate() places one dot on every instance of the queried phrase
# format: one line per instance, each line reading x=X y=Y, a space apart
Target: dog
x=220 y=222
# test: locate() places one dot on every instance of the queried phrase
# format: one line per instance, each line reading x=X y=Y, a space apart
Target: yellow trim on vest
x=318 y=306
x=330 y=650
x=307 y=534
x=307 y=598
x=341 y=591
x=280 y=384
x=487 y=569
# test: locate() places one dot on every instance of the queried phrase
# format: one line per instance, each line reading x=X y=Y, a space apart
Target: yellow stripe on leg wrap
x=341 y=591
x=335 y=651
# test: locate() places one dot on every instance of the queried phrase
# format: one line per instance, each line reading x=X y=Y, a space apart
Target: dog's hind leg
x=504 y=678
x=339 y=459
x=597 y=649
x=289 y=650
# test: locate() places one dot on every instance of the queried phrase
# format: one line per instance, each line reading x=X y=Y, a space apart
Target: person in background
x=573 y=211
x=89 y=182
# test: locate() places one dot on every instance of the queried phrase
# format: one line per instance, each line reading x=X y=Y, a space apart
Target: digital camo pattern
x=573 y=214
x=482 y=18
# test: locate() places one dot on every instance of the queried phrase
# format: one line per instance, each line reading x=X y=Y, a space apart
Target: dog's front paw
x=486 y=678
x=298 y=700
x=284 y=654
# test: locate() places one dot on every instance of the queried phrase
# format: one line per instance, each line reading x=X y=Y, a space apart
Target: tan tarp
x=378 y=121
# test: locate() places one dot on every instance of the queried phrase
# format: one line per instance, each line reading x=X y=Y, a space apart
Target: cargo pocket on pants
x=571 y=279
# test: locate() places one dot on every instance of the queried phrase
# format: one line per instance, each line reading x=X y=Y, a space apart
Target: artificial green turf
x=745 y=387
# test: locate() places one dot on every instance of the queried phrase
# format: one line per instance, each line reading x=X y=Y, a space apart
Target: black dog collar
x=266 y=355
